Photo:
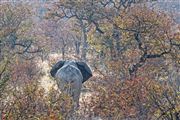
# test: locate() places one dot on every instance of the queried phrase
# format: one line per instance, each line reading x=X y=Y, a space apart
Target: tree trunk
x=84 y=40
x=117 y=37
x=77 y=47
x=63 y=48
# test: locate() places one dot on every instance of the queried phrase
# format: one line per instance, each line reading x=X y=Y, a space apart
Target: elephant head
x=82 y=66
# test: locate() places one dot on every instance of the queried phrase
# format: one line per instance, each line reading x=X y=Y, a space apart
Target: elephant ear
x=85 y=70
x=56 y=67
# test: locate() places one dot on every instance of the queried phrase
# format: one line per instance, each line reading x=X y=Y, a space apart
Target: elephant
x=70 y=75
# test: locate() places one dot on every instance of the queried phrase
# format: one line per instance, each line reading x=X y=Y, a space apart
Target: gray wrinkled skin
x=69 y=80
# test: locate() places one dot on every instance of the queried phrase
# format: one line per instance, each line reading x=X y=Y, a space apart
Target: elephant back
x=69 y=73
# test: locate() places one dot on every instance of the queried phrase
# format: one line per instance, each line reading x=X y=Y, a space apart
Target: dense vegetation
x=132 y=47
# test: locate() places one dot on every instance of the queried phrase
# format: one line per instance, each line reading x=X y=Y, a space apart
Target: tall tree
x=14 y=39
x=89 y=13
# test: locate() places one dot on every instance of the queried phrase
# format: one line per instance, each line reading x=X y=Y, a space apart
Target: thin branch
x=4 y=68
x=145 y=55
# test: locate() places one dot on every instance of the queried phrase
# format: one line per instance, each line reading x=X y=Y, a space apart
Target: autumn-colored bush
x=139 y=98
x=31 y=102
x=24 y=98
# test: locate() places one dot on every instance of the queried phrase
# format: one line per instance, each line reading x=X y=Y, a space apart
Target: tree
x=14 y=39
x=89 y=13
x=137 y=83
x=145 y=35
